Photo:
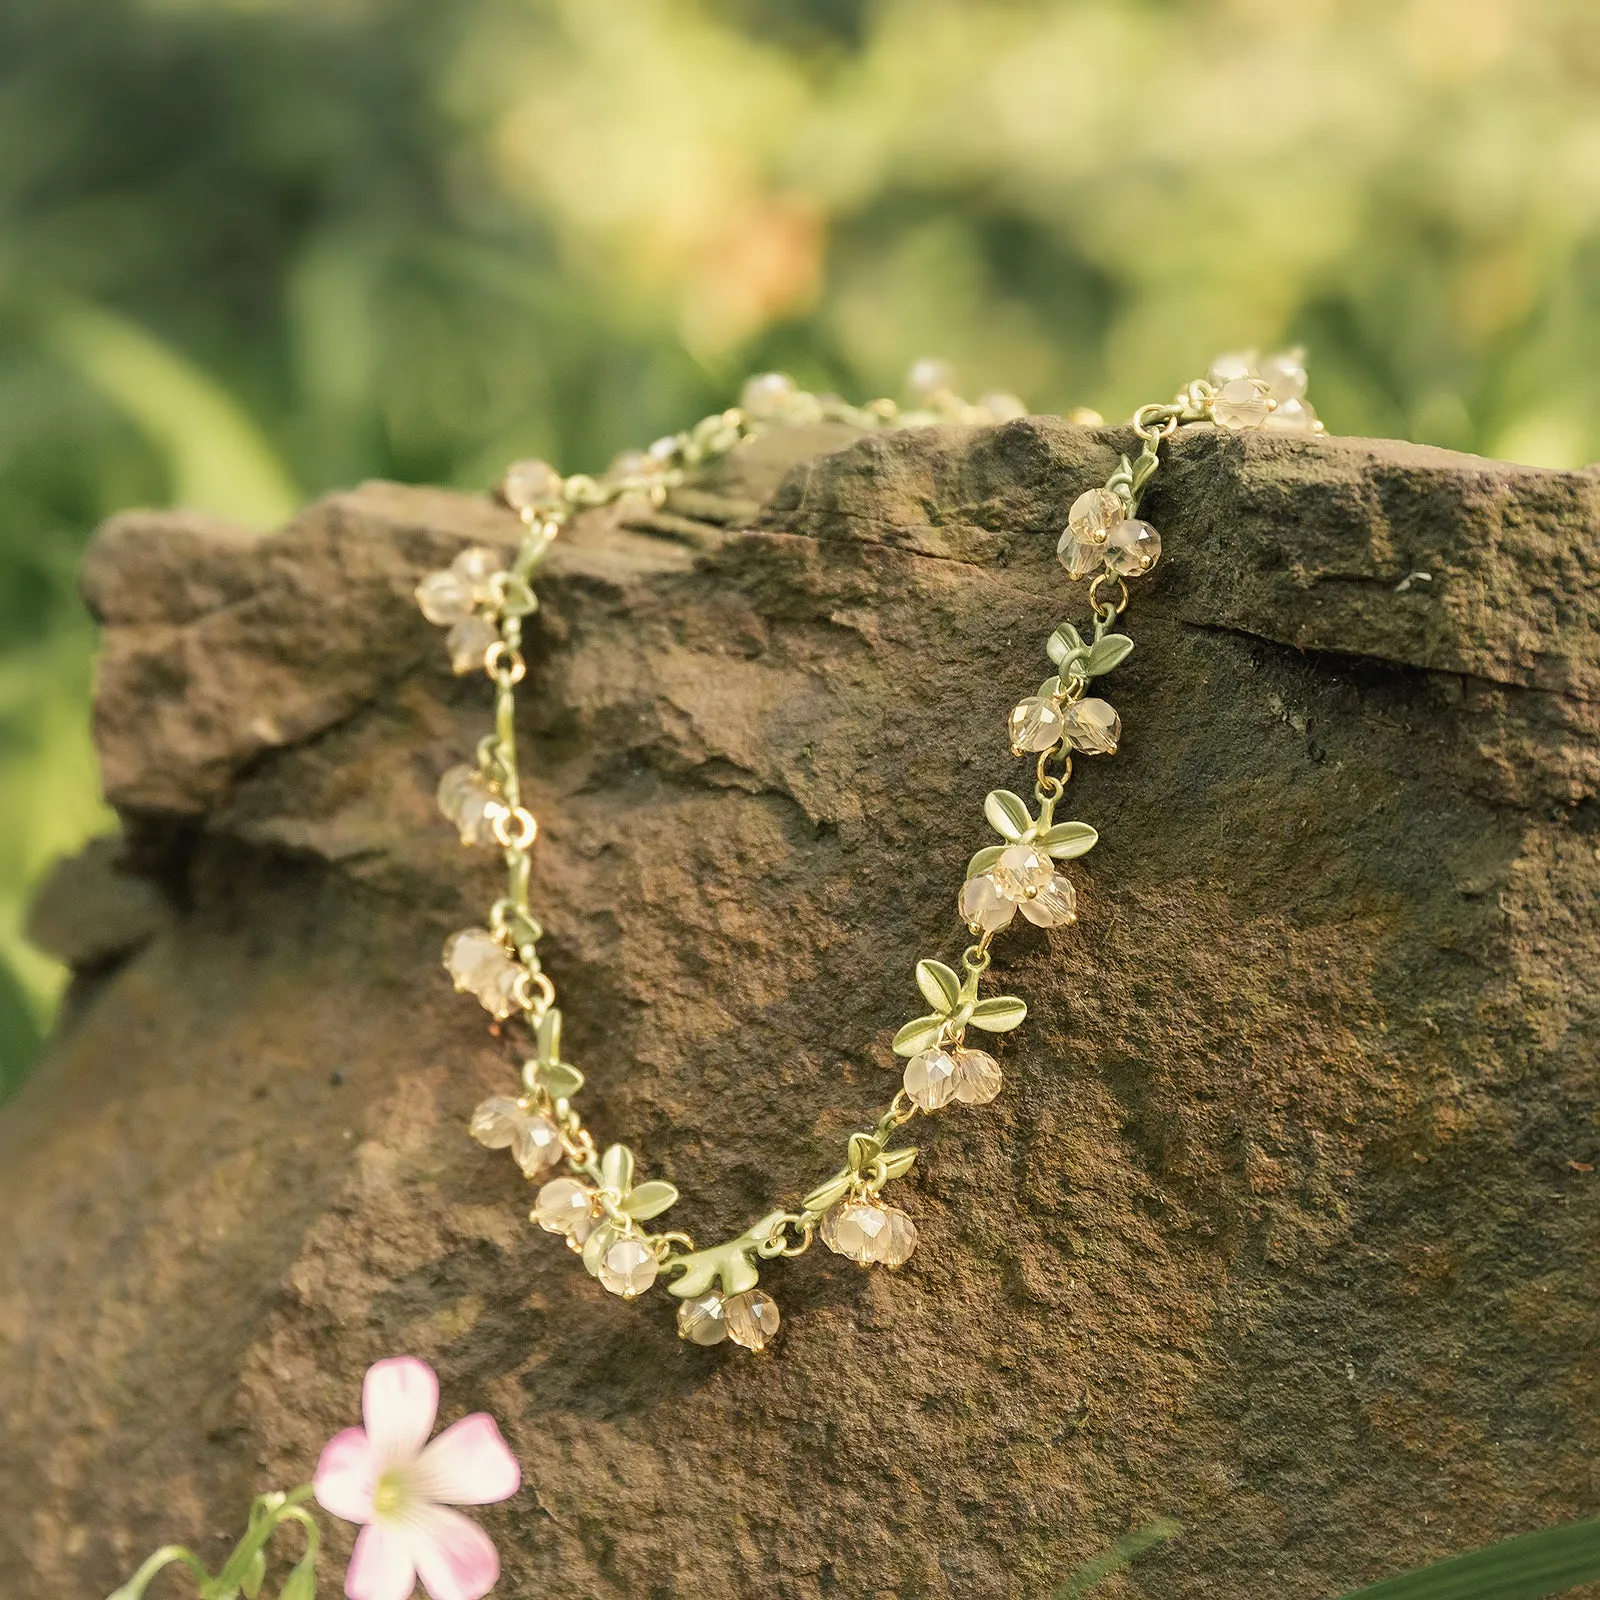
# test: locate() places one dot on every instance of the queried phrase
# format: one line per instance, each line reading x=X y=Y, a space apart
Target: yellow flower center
x=389 y=1494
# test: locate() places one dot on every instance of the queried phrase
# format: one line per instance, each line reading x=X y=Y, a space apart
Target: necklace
x=600 y=1205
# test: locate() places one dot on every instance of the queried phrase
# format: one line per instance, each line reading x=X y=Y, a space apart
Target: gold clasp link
x=504 y=663
x=520 y=819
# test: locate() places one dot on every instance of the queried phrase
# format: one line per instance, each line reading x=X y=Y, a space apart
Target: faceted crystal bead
x=767 y=395
x=497 y=1122
x=1240 y=404
x=977 y=1078
x=1035 y=725
x=983 y=906
x=533 y=1140
x=752 y=1318
x=1056 y=903
x=478 y=566
x=1237 y=364
x=1285 y=375
x=1021 y=872
x=531 y=486
x=859 y=1231
x=562 y=1204
x=468 y=802
x=1093 y=512
x=501 y=996
x=1132 y=548
x=898 y=1240
x=468 y=643
x=538 y=1146
x=628 y=1268
x=703 y=1320
x=1292 y=416
x=930 y=1079
x=1093 y=727
x=445 y=598
x=474 y=958
x=1079 y=556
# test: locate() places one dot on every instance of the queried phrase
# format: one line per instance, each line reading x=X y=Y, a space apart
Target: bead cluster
x=598 y=1205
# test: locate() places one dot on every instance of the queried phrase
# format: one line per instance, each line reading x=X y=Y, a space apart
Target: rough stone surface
x=1284 y=1224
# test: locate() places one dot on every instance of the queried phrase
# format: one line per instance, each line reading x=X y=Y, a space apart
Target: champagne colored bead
x=1093 y=727
x=1035 y=724
x=767 y=396
x=1021 y=872
x=859 y=1231
x=468 y=643
x=467 y=801
x=1053 y=906
x=445 y=598
x=497 y=1121
x=537 y=1147
x=703 y=1320
x=628 y=1268
x=1292 y=416
x=1240 y=405
x=531 y=486
x=1132 y=548
x=1004 y=407
x=930 y=1079
x=562 y=1204
x=930 y=378
x=899 y=1239
x=752 y=1318
x=1238 y=364
x=1285 y=375
x=474 y=958
x=983 y=906
x=977 y=1077
x=478 y=565
x=1093 y=512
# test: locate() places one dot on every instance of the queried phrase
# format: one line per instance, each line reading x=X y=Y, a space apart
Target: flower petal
x=345 y=1476
x=399 y=1400
x=455 y=1559
x=467 y=1465
x=381 y=1567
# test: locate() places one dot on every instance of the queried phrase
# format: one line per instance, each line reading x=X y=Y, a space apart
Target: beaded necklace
x=600 y=1205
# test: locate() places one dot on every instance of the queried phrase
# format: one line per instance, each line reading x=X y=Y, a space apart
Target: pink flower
x=389 y=1477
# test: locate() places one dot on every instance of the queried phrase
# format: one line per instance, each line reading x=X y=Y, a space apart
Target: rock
x=1283 y=1223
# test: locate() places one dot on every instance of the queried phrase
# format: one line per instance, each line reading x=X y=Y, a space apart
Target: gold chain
x=600 y=1206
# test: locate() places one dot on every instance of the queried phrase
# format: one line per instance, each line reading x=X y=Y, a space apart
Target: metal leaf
x=985 y=859
x=547 y=1036
x=648 y=1200
x=921 y=1033
x=864 y=1147
x=561 y=1080
x=897 y=1163
x=940 y=987
x=1008 y=814
x=1107 y=653
x=1000 y=1014
x=601 y=1238
x=616 y=1168
x=1064 y=642
x=1064 y=840
x=829 y=1193
x=730 y=1263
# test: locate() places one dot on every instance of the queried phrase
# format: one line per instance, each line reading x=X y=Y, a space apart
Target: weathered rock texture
x=1285 y=1224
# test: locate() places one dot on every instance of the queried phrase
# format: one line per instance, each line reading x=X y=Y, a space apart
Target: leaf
x=648 y=1200
x=1049 y=689
x=1064 y=642
x=1107 y=653
x=864 y=1148
x=547 y=1036
x=1067 y=839
x=828 y=1194
x=921 y=1033
x=730 y=1263
x=601 y=1238
x=940 y=987
x=561 y=1080
x=1526 y=1568
x=616 y=1168
x=1000 y=1014
x=1095 y=1572
x=897 y=1163
x=1008 y=814
x=985 y=859
x=254 y=1575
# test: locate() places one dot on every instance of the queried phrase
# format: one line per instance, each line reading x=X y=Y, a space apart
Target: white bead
x=929 y=378
x=983 y=906
x=766 y=396
x=531 y=486
x=1004 y=407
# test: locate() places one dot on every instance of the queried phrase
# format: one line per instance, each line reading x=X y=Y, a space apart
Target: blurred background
x=251 y=250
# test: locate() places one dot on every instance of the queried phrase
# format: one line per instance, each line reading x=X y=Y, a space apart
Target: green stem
x=135 y=1587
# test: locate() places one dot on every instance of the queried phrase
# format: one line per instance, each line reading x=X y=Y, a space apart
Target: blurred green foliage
x=254 y=249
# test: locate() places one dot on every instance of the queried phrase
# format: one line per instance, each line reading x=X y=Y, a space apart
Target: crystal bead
x=1238 y=364
x=445 y=598
x=752 y=1318
x=859 y=1231
x=479 y=566
x=898 y=1240
x=703 y=1320
x=562 y=1204
x=1285 y=375
x=468 y=643
x=1132 y=548
x=767 y=395
x=531 y=486
x=538 y=1145
x=1079 y=556
x=502 y=994
x=1021 y=872
x=467 y=801
x=1093 y=727
x=1240 y=404
x=930 y=1079
x=497 y=1122
x=1004 y=407
x=1093 y=512
x=1292 y=416
x=628 y=1268
x=929 y=378
x=1035 y=725
x=983 y=906
x=474 y=958
x=632 y=464
x=977 y=1077
x=1054 y=905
